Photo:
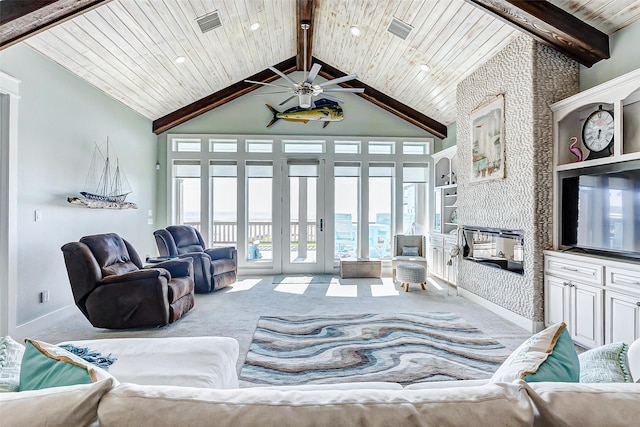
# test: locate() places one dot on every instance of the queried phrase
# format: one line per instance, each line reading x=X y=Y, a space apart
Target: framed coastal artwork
x=487 y=141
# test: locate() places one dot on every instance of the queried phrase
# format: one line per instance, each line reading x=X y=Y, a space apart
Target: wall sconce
x=158 y=165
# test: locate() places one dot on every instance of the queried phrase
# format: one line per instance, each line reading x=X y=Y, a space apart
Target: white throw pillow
x=633 y=355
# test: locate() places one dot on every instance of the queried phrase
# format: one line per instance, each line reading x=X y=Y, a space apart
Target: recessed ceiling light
x=180 y=59
x=255 y=26
x=425 y=68
x=355 y=31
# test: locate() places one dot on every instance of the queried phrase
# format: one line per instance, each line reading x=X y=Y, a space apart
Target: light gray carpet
x=234 y=311
x=404 y=348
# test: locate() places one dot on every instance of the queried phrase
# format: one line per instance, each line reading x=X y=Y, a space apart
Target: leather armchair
x=213 y=268
x=114 y=291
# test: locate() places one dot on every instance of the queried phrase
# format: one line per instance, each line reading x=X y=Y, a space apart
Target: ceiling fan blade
x=315 y=69
x=344 y=89
x=270 y=93
x=333 y=98
x=339 y=80
x=264 y=83
x=287 y=100
x=283 y=75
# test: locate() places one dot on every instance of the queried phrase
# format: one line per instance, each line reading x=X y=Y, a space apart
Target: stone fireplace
x=529 y=76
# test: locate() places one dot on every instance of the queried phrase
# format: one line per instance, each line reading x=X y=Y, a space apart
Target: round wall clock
x=597 y=133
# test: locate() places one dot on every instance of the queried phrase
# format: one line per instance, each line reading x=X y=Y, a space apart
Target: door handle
x=321 y=224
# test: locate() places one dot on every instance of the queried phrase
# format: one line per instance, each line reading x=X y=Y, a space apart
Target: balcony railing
x=227 y=232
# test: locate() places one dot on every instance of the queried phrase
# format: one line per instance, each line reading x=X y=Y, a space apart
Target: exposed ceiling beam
x=386 y=102
x=304 y=12
x=221 y=97
x=552 y=26
x=20 y=19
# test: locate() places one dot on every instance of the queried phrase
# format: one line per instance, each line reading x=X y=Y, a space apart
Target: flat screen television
x=600 y=209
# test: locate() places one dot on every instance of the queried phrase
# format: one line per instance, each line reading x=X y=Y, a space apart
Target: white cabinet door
x=437 y=256
x=556 y=300
x=622 y=317
x=586 y=314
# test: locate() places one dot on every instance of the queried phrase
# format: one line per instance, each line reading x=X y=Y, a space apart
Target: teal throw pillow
x=409 y=251
x=605 y=364
x=562 y=365
x=548 y=355
x=46 y=365
x=10 y=360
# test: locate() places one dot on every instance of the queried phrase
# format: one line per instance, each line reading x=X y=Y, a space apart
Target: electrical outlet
x=44 y=296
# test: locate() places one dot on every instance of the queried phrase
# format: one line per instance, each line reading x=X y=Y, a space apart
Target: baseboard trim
x=509 y=315
x=27 y=330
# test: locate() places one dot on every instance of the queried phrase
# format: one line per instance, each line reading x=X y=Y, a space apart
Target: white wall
x=60 y=117
x=624 y=57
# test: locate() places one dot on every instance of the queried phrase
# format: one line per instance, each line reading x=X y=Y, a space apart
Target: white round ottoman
x=411 y=273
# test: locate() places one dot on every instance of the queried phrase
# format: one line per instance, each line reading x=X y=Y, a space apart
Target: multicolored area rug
x=402 y=348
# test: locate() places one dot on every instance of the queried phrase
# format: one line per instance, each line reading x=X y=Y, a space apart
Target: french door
x=304 y=219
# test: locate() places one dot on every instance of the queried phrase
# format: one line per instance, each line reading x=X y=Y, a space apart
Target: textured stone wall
x=530 y=76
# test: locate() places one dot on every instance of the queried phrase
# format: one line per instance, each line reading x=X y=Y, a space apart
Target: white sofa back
x=488 y=405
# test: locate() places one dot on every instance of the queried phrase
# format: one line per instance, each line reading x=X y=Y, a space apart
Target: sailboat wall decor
x=106 y=186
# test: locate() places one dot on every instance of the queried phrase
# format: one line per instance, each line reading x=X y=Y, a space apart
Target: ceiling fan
x=305 y=90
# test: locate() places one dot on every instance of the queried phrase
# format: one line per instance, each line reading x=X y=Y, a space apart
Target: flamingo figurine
x=575 y=150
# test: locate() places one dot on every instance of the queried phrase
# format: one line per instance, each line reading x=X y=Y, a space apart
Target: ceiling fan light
x=305 y=101
x=425 y=68
x=355 y=31
x=254 y=26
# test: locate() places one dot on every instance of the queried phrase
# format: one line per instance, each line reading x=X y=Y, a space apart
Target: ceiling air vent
x=399 y=28
x=209 y=22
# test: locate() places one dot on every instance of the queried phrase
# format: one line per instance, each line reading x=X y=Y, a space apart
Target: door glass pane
x=186 y=181
x=346 y=202
x=224 y=203
x=302 y=241
x=259 y=212
x=346 y=216
x=380 y=211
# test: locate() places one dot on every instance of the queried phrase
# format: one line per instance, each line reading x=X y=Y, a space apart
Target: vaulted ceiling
x=128 y=48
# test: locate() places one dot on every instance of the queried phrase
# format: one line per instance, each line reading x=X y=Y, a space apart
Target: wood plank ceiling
x=127 y=48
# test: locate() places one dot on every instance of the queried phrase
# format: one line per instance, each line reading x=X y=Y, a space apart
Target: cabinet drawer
x=574 y=270
x=436 y=241
x=623 y=279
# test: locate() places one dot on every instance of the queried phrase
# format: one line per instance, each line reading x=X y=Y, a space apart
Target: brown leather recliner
x=114 y=291
x=213 y=268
